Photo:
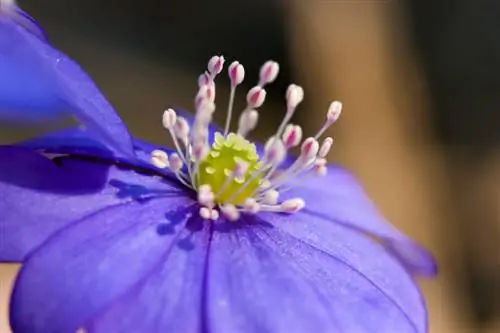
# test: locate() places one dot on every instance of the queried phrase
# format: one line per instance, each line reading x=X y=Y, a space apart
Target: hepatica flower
x=216 y=234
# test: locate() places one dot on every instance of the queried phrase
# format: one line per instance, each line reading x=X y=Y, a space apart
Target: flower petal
x=338 y=197
x=34 y=205
x=77 y=273
x=37 y=81
x=171 y=298
x=277 y=276
x=77 y=141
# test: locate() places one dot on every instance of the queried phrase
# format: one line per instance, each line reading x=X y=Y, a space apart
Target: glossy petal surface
x=338 y=198
x=303 y=274
x=91 y=264
x=38 y=82
x=171 y=298
x=34 y=205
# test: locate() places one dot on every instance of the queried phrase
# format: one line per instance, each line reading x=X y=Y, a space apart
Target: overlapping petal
x=94 y=262
x=339 y=198
x=77 y=141
x=34 y=205
x=37 y=82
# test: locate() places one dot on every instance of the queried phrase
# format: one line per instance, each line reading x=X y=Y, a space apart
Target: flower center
x=228 y=174
x=230 y=164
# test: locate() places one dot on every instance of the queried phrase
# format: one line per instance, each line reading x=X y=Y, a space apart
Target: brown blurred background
x=420 y=82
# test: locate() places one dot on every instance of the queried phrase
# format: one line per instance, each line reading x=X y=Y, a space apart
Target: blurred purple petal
x=34 y=205
x=38 y=82
x=339 y=198
x=303 y=274
x=170 y=298
x=91 y=264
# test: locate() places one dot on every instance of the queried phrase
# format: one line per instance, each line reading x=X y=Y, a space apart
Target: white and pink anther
x=192 y=146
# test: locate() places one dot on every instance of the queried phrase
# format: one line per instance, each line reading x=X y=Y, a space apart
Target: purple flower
x=216 y=235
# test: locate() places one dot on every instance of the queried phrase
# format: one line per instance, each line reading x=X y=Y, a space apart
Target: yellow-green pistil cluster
x=216 y=169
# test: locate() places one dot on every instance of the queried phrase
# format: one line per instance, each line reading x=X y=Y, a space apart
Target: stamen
x=248 y=121
x=251 y=206
x=325 y=147
x=230 y=212
x=268 y=72
x=256 y=97
x=293 y=205
x=292 y=136
x=270 y=197
x=209 y=213
x=236 y=75
x=159 y=159
x=294 y=96
x=332 y=116
x=215 y=65
x=169 y=120
x=228 y=175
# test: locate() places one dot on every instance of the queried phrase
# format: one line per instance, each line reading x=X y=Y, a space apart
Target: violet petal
x=339 y=198
x=76 y=141
x=295 y=274
x=171 y=298
x=37 y=81
x=90 y=265
x=34 y=205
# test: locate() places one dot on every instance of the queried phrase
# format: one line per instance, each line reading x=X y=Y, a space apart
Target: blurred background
x=420 y=83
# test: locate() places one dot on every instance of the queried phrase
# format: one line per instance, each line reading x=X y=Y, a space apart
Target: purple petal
x=91 y=264
x=171 y=298
x=339 y=198
x=35 y=205
x=76 y=141
x=73 y=140
x=301 y=274
x=37 y=81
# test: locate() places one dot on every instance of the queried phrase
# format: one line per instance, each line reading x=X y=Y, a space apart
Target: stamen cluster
x=229 y=176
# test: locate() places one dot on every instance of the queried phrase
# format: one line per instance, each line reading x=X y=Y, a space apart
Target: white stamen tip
x=216 y=64
x=268 y=72
x=200 y=150
x=240 y=168
x=214 y=214
x=230 y=212
x=271 y=197
x=205 y=213
x=206 y=92
x=205 y=188
x=181 y=128
x=251 y=206
x=292 y=136
x=325 y=147
x=236 y=73
x=320 y=171
x=293 y=205
x=159 y=158
x=256 y=97
x=310 y=148
x=294 y=95
x=275 y=151
x=175 y=162
x=204 y=80
x=334 y=111
x=169 y=118
x=248 y=121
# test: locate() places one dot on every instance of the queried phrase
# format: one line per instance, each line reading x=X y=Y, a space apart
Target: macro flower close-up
x=216 y=233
